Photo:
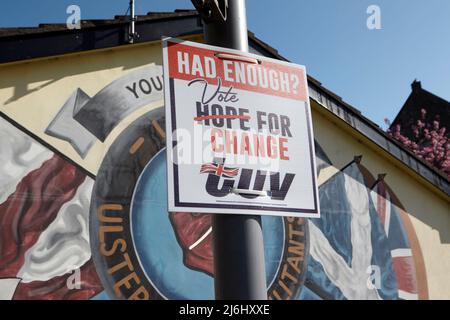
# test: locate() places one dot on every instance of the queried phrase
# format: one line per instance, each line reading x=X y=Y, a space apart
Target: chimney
x=416 y=85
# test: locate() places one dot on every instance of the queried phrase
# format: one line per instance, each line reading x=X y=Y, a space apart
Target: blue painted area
x=381 y=256
x=398 y=238
x=273 y=233
x=160 y=254
x=307 y=294
x=335 y=225
x=101 y=296
x=335 y=218
x=316 y=274
x=162 y=258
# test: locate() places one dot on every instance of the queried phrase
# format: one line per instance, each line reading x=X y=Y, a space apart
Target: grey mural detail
x=8 y=288
x=82 y=120
x=102 y=113
x=66 y=128
x=19 y=155
x=64 y=245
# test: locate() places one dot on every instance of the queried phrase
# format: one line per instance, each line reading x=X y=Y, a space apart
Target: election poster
x=239 y=133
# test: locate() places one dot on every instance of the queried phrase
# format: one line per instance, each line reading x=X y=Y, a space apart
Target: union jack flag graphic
x=44 y=213
x=219 y=170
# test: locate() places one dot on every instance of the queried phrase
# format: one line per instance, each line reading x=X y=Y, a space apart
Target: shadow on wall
x=21 y=77
x=438 y=223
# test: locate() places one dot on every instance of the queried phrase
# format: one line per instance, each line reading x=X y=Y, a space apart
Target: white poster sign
x=239 y=133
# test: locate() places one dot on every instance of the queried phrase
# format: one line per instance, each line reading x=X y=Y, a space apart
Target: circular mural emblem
x=142 y=251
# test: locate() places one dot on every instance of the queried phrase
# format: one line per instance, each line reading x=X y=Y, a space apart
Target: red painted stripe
x=203 y=118
x=406 y=274
x=189 y=227
x=57 y=289
x=381 y=202
x=32 y=208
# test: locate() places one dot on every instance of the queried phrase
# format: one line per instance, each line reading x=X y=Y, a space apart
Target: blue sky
x=370 y=69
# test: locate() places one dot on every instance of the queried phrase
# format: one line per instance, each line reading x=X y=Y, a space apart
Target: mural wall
x=83 y=212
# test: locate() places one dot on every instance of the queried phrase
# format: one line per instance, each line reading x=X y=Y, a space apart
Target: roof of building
x=423 y=99
x=118 y=20
x=18 y=44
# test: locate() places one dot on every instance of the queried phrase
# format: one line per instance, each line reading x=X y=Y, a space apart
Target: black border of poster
x=231 y=206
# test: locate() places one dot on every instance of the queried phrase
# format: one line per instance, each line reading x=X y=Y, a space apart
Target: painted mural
x=83 y=214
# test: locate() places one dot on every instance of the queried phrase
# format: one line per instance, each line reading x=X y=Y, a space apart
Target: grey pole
x=132 y=28
x=238 y=239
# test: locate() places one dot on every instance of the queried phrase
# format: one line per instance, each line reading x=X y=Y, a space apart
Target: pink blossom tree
x=431 y=141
